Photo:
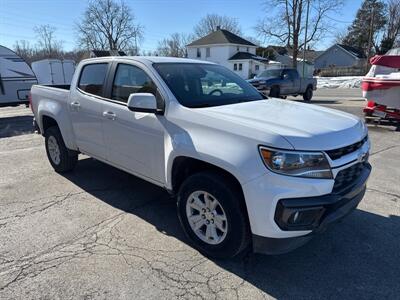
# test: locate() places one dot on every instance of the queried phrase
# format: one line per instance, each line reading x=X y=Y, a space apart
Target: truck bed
x=49 y=94
x=57 y=86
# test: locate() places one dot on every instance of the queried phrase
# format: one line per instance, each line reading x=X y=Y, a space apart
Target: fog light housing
x=298 y=218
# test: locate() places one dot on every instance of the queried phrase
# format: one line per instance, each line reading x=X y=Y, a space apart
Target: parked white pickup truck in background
x=248 y=172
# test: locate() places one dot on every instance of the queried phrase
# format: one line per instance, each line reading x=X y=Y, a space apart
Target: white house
x=230 y=50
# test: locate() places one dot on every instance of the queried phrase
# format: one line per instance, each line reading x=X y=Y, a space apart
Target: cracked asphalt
x=100 y=233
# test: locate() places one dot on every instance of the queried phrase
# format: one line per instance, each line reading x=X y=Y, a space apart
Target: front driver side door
x=134 y=140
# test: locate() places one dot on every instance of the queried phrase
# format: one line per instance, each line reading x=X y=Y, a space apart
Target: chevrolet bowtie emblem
x=362 y=157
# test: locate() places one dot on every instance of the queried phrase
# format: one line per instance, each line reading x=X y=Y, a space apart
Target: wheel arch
x=184 y=166
x=47 y=120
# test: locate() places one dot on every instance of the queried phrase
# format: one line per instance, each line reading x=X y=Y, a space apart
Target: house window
x=240 y=67
x=235 y=67
x=257 y=67
x=247 y=49
x=208 y=52
x=237 y=48
x=198 y=52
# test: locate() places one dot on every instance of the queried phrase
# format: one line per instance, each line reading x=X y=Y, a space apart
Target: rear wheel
x=307 y=96
x=210 y=209
x=61 y=159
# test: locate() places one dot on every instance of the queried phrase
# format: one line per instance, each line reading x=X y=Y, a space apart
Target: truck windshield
x=274 y=73
x=203 y=85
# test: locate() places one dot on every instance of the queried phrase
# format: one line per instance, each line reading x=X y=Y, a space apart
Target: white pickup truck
x=249 y=172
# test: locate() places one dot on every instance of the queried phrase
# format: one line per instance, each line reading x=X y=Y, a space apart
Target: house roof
x=221 y=36
x=310 y=55
x=247 y=55
x=353 y=51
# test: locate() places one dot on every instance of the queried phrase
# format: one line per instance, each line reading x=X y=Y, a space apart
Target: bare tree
x=212 y=22
x=288 y=25
x=175 y=45
x=24 y=49
x=392 y=29
x=109 y=25
x=339 y=36
x=46 y=40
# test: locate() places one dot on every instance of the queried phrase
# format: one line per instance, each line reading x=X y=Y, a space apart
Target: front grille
x=348 y=176
x=338 y=153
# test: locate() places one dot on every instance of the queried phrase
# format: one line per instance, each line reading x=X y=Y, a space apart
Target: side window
x=92 y=78
x=130 y=79
x=235 y=67
x=198 y=52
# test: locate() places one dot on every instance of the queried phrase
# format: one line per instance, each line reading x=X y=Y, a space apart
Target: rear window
x=93 y=78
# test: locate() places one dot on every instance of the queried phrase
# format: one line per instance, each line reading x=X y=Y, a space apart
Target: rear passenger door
x=85 y=106
x=135 y=140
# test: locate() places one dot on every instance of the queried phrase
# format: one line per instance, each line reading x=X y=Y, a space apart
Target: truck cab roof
x=147 y=59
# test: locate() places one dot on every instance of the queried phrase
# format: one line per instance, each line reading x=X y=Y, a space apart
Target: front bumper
x=321 y=211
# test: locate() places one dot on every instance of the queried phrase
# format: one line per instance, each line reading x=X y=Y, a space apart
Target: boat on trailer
x=381 y=88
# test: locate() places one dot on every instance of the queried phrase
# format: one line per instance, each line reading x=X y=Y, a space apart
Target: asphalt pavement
x=100 y=233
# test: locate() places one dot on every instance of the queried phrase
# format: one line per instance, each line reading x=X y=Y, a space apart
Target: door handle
x=109 y=115
x=75 y=105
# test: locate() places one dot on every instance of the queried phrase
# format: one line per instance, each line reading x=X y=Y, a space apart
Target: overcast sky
x=159 y=18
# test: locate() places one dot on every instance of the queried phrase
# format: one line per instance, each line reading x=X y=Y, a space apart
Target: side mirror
x=142 y=102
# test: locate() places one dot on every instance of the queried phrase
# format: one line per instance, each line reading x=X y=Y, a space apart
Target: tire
x=236 y=239
x=307 y=96
x=62 y=160
x=275 y=92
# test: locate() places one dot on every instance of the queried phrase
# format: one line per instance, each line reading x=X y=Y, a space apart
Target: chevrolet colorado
x=248 y=172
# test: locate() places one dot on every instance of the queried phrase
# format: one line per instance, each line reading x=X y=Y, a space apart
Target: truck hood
x=304 y=126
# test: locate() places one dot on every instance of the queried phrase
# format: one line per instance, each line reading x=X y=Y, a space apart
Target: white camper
x=54 y=71
x=16 y=78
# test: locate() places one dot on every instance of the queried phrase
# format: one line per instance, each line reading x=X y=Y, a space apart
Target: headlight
x=296 y=163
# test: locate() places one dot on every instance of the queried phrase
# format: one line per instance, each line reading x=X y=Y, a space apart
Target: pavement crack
x=397 y=196
x=383 y=150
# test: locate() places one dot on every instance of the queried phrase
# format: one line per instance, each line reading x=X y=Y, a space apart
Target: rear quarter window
x=92 y=78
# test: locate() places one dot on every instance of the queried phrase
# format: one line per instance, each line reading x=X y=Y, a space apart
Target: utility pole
x=371 y=27
x=305 y=37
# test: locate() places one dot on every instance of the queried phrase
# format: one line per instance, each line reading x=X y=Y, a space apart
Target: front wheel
x=61 y=159
x=212 y=213
x=275 y=92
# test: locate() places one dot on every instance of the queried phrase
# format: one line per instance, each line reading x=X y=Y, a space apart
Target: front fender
x=242 y=160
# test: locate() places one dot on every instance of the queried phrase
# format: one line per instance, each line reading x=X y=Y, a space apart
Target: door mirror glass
x=142 y=102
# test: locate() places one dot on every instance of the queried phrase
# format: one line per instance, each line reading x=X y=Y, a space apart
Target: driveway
x=100 y=233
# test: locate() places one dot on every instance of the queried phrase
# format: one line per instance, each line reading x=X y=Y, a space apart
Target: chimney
x=218 y=27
